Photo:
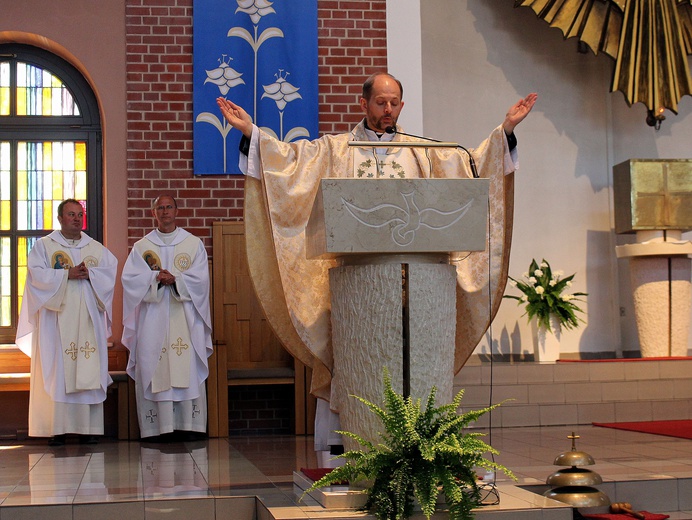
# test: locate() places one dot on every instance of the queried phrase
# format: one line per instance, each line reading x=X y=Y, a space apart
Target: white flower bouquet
x=543 y=294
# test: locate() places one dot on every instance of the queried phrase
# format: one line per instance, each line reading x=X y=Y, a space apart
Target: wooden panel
x=13 y=360
x=117 y=358
x=244 y=341
x=212 y=380
x=243 y=328
x=252 y=342
x=218 y=399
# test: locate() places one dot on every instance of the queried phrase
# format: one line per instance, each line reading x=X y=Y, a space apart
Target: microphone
x=472 y=163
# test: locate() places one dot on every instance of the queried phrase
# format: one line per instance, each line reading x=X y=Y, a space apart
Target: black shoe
x=188 y=436
x=154 y=439
x=57 y=440
x=164 y=438
x=88 y=439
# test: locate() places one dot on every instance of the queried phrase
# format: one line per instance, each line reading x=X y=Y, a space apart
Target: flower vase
x=546 y=342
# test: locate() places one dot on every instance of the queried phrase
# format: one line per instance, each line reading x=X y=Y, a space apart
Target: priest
x=282 y=180
x=64 y=325
x=167 y=328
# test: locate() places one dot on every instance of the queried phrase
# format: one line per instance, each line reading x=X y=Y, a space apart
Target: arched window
x=50 y=150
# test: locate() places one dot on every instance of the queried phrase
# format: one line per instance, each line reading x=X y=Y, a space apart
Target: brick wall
x=260 y=410
x=352 y=44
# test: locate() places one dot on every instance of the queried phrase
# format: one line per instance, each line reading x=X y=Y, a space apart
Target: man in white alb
x=64 y=325
x=167 y=327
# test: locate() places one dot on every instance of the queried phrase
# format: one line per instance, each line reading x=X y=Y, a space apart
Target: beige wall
x=90 y=35
x=480 y=56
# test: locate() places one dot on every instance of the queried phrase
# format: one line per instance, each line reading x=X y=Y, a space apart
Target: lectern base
x=383 y=320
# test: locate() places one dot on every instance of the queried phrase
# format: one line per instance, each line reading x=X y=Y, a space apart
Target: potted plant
x=423 y=453
x=547 y=303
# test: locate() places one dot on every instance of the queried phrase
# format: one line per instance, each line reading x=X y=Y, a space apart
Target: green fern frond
x=426 y=490
x=421 y=451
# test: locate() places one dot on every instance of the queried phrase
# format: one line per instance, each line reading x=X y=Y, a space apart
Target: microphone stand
x=426 y=142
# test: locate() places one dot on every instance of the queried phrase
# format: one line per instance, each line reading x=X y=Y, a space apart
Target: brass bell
x=573 y=485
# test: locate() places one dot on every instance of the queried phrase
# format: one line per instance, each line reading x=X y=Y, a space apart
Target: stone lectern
x=393 y=295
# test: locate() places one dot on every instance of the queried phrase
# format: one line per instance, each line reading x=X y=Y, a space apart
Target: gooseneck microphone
x=472 y=163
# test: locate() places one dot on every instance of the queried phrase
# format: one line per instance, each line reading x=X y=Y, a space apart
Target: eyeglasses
x=161 y=208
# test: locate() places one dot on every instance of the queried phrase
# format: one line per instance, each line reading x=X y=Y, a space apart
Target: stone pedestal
x=660 y=270
x=374 y=313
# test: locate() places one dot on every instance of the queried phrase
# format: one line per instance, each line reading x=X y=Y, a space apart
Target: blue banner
x=262 y=56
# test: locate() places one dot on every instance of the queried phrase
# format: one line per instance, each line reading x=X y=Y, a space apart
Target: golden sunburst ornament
x=648 y=39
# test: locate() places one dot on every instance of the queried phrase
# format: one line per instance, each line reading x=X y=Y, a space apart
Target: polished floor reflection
x=33 y=473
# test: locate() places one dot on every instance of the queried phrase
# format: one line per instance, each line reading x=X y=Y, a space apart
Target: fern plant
x=422 y=453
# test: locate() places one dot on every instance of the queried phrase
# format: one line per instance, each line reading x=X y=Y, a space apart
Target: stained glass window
x=48 y=173
x=5 y=282
x=40 y=93
x=5 y=211
x=46 y=156
x=4 y=88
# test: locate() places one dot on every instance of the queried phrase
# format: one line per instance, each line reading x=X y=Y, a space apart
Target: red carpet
x=620 y=360
x=315 y=474
x=622 y=516
x=681 y=429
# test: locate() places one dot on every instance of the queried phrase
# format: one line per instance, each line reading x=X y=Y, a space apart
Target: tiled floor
x=145 y=480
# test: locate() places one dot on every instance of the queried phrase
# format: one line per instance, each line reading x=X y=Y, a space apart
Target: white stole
x=80 y=354
x=173 y=367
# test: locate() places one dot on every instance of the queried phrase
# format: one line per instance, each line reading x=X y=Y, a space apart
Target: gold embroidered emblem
x=398 y=169
x=87 y=349
x=90 y=261
x=61 y=260
x=152 y=260
x=182 y=262
x=72 y=351
x=179 y=347
x=363 y=169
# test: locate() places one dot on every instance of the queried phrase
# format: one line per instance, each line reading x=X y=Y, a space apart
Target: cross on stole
x=87 y=349
x=381 y=163
x=72 y=351
x=180 y=346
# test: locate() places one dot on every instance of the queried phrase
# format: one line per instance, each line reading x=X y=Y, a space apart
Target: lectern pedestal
x=370 y=316
x=393 y=298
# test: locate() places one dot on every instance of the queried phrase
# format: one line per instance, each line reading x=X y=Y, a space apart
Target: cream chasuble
x=294 y=291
